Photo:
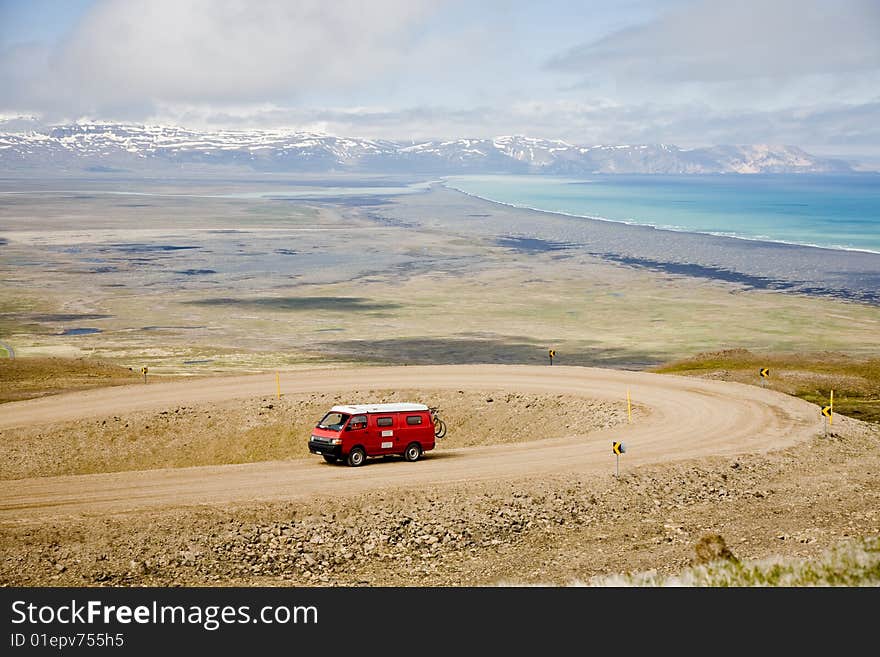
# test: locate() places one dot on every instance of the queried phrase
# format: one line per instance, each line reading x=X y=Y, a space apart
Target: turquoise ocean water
x=832 y=211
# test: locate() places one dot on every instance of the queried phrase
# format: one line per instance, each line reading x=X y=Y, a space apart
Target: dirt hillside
x=549 y=528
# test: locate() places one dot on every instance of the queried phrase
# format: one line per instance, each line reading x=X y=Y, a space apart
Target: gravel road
x=681 y=418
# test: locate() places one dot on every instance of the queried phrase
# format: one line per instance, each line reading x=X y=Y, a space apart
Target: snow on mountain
x=99 y=146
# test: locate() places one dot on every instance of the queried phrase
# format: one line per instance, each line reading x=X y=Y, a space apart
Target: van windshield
x=333 y=421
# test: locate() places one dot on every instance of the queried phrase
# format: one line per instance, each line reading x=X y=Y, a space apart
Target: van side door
x=386 y=432
x=413 y=428
x=357 y=433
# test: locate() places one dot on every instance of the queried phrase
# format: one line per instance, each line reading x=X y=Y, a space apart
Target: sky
x=685 y=72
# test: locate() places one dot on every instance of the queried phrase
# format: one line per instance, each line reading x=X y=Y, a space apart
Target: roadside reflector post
x=831 y=409
x=144 y=372
x=618 y=449
x=765 y=372
x=828 y=413
x=552 y=354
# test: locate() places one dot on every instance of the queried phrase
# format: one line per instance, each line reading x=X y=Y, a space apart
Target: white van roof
x=378 y=408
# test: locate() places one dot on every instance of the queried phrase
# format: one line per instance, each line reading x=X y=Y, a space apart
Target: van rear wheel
x=356 y=457
x=413 y=452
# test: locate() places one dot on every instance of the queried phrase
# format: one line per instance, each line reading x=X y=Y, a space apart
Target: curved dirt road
x=681 y=418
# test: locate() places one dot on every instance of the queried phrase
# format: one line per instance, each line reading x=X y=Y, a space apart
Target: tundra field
x=330 y=294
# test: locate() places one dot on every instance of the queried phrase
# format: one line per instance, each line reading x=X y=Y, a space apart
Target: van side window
x=413 y=419
x=384 y=421
x=358 y=422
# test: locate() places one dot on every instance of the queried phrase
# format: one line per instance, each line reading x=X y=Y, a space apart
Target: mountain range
x=115 y=147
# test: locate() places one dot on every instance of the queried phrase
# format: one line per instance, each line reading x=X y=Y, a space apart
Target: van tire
x=330 y=458
x=356 y=457
x=413 y=452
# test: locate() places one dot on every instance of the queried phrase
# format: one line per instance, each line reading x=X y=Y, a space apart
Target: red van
x=353 y=433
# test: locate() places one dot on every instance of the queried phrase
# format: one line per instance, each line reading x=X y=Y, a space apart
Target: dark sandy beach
x=848 y=275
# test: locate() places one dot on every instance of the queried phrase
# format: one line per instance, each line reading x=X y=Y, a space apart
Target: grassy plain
x=196 y=285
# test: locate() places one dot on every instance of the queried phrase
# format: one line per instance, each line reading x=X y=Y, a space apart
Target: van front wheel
x=413 y=452
x=356 y=457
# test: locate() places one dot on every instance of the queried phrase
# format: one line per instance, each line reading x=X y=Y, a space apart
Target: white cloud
x=749 y=71
x=693 y=72
x=719 y=40
x=139 y=52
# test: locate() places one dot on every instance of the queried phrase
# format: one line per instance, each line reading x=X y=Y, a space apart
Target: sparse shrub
x=712 y=547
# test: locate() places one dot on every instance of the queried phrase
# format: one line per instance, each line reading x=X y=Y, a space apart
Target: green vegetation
x=851 y=563
x=810 y=376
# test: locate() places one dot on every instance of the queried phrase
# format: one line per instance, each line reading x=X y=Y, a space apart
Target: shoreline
x=206 y=285
x=849 y=275
x=663 y=228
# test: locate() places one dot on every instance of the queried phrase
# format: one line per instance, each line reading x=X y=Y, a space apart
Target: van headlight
x=336 y=441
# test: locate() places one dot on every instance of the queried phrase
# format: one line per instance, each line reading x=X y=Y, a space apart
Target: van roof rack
x=378 y=408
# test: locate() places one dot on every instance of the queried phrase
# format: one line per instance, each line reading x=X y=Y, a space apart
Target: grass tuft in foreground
x=851 y=563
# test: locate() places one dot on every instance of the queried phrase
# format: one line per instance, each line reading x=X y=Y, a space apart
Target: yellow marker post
x=278 y=384
x=828 y=413
x=629 y=411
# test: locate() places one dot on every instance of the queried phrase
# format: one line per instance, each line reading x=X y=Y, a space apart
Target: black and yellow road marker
x=618 y=448
x=828 y=413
